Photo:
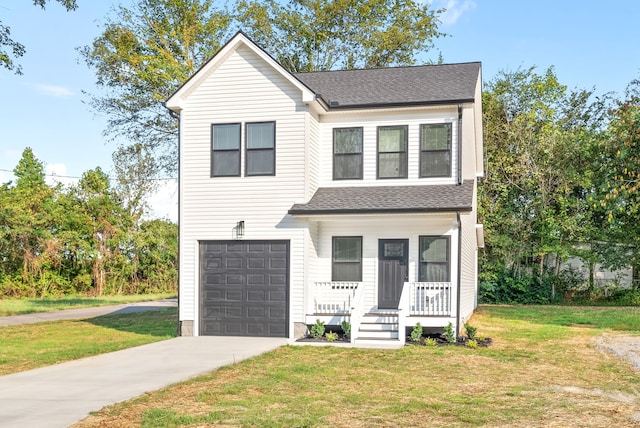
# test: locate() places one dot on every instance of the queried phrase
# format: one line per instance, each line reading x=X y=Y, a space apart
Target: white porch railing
x=334 y=297
x=429 y=298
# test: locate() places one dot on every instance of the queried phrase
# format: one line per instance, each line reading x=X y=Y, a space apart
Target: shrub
x=471 y=344
x=430 y=341
x=449 y=334
x=317 y=330
x=471 y=331
x=346 y=329
x=331 y=336
x=416 y=333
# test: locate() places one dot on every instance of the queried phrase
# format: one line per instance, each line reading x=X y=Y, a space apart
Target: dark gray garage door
x=244 y=288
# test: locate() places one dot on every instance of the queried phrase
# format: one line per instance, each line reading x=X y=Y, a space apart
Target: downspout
x=459 y=144
x=458 y=330
x=178 y=116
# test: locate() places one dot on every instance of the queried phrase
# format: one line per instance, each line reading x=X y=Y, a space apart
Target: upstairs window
x=347 y=153
x=434 y=259
x=347 y=258
x=435 y=150
x=392 y=151
x=261 y=148
x=225 y=150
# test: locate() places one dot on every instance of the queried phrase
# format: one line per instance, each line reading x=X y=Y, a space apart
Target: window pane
x=347 y=166
x=434 y=249
x=391 y=165
x=436 y=137
x=347 y=249
x=225 y=163
x=435 y=164
x=347 y=272
x=434 y=272
x=392 y=139
x=226 y=137
x=260 y=162
x=260 y=135
x=348 y=140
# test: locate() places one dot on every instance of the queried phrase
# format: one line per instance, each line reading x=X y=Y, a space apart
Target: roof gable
x=176 y=101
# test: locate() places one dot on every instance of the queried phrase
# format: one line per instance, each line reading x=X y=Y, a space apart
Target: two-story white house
x=339 y=196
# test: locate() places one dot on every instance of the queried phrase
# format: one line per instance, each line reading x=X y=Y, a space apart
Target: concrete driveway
x=60 y=395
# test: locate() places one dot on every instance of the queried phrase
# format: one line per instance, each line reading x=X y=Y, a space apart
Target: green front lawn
x=542 y=369
x=25 y=347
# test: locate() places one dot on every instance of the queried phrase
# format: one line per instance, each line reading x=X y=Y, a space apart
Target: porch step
x=378 y=327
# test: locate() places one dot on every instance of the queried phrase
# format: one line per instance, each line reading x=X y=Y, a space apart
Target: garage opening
x=244 y=288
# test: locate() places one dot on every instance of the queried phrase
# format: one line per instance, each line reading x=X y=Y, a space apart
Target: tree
x=27 y=245
x=538 y=139
x=16 y=50
x=147 y=51
x=619 y=173
x=315 y=35
x=142 y=56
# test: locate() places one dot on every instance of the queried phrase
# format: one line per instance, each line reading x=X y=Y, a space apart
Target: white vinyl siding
x=370 y=123
x=469 y=265
x=242 y=89
x=373 y=228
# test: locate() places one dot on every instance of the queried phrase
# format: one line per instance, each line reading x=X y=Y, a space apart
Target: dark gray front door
x=244 y=288
x=392 y=271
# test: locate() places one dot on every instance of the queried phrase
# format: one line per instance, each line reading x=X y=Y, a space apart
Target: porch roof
x=388 y=199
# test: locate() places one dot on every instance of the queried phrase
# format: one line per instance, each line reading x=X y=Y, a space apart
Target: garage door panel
x=244 y=288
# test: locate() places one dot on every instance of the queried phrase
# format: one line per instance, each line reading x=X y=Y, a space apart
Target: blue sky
x=590 y=44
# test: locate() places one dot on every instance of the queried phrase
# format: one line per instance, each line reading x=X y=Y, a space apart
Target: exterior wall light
x=240 y=229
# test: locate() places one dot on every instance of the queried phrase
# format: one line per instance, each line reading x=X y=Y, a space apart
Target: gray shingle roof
x=428 y=84
x=388 y=199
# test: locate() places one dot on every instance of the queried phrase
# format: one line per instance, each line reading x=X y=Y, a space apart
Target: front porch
x=427 y=303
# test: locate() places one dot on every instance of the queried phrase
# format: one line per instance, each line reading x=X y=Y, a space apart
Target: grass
x=542 y=370
x=10 y=307
x=25 y=347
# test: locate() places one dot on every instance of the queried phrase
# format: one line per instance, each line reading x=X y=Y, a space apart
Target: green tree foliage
x=314 y=35
x=617 y=163
x=10 y=49
x=82 y=239
x=142 y=56
x=147 y=51
x=533 y=201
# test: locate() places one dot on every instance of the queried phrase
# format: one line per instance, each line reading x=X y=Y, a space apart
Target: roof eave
x=302 y=212
x=400 y=104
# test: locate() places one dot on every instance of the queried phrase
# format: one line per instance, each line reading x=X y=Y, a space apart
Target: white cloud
x=54 y=90
x=454 y=9
x=57 y=173
x=164 y=203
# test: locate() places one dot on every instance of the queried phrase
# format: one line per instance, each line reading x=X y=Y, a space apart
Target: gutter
x=459 y=144
x=458 y=330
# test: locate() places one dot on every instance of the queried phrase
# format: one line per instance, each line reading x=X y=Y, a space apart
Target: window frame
x=406 y=151
x=449 y=150
x=248 y=150
x=214 y=150
x=334 y=239
x=337 y=155
x=421 y=262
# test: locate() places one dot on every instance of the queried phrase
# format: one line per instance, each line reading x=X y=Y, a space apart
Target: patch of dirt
x=623 y=346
